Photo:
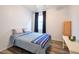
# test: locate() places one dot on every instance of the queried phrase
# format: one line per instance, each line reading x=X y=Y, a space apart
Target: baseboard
x=57 y=40
x=5 y=48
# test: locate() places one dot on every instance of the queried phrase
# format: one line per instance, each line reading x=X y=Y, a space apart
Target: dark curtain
x=44 y=22
x=36 y=22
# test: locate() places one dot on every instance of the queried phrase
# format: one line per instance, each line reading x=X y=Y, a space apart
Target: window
x=40 y=22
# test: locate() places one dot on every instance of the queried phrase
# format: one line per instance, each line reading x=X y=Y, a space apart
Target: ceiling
x=36 y=8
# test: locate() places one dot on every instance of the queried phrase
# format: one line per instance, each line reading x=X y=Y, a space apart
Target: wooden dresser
x=67 y=28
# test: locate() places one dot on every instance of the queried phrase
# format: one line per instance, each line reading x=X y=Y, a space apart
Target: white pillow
x=15 y=31
x=19 y=30
x=24 y=30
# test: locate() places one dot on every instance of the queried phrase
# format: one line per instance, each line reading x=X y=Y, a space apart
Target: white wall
x=13 y=17
x=33 y=21
x=54 y=22
x=74 y=16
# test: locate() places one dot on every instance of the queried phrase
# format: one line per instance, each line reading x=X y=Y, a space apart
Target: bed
x=31 y=41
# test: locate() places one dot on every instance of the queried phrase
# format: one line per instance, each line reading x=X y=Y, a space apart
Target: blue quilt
x=32 y=37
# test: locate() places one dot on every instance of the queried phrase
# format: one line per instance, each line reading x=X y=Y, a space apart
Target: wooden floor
x=55 y=48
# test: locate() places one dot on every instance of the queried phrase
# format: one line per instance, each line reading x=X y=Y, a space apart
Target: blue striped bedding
x=32 y=37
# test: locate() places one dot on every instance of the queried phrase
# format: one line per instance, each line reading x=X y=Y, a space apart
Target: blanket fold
x=41 y=40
